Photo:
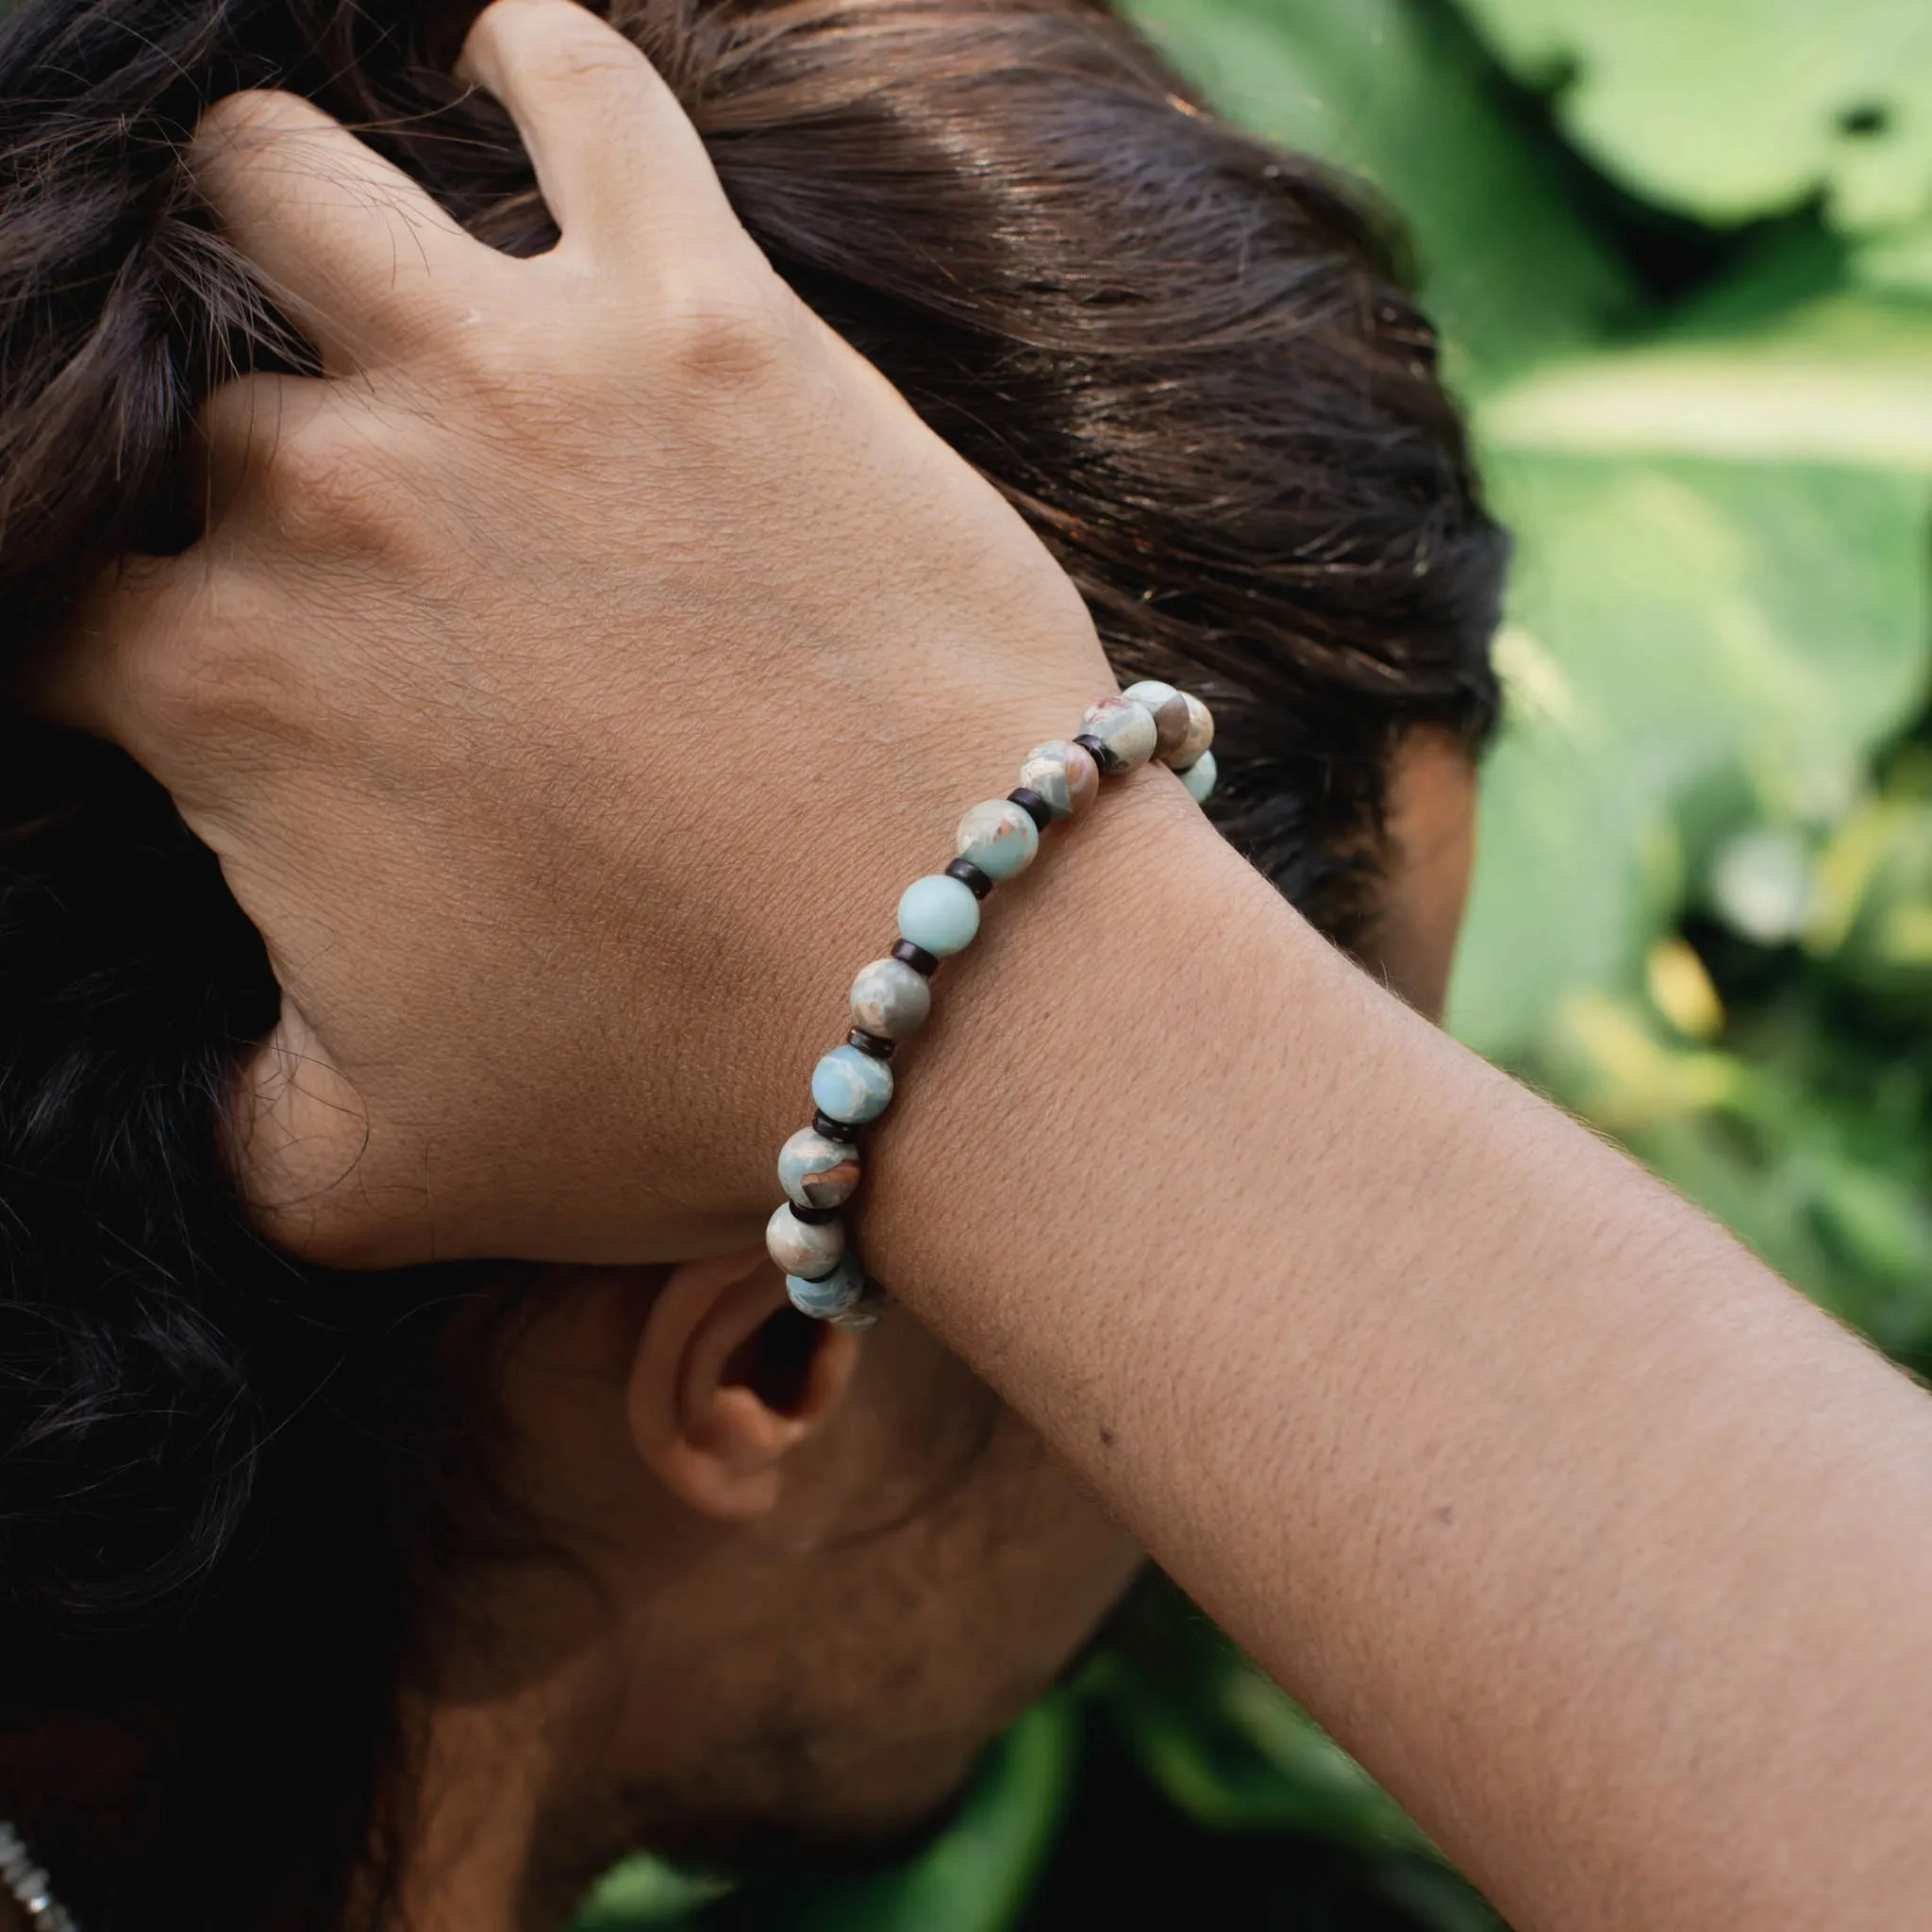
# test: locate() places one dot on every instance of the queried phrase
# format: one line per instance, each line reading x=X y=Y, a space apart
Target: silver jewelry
x=30 y=1887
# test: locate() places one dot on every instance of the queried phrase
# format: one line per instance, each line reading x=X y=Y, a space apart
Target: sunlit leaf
x=1732 y=109
x=645 y=1891
x=1684 y=632
x=1843 y=380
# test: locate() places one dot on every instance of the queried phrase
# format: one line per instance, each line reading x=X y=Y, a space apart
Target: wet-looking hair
x=1188 y=359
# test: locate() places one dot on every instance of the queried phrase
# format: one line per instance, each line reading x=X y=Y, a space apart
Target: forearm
x=1548 y=1499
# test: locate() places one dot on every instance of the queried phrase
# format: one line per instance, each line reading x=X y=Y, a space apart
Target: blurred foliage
x=1682 y=253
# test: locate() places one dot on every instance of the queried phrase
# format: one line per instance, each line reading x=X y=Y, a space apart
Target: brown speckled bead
x=1169 y=709
x=816 y=1171
x=1064 y=774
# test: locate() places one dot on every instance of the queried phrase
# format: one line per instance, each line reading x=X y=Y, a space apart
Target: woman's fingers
x=349 y=244
x=619 y=162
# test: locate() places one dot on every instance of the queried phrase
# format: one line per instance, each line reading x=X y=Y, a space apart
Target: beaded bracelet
x=819 y=1167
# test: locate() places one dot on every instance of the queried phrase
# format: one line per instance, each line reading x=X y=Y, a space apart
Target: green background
x=1682 y=253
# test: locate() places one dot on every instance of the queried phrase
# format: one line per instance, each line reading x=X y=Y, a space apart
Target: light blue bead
x=831 y=1294
x=999 y=837
x=939 y=914
x=848 y=1084
x=1199 y=778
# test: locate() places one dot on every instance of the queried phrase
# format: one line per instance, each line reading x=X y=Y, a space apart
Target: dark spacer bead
x=915 y=957
x=812 y=1217
x=1096 y=749
x=969 y=875
x=869 y=1042
x=824 y=1124
x=1031 y=801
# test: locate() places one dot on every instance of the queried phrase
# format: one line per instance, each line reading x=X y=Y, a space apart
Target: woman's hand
x=629 y=634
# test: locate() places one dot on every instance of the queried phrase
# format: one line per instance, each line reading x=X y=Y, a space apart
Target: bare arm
x=1606 y=1551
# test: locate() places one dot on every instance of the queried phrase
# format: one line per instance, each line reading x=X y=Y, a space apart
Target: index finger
x=619 y=163
x=363 y=259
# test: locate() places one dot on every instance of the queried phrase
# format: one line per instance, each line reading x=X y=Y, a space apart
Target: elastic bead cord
x=821 y=1166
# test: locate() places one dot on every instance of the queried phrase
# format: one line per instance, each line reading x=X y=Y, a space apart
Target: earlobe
x=728 y=1382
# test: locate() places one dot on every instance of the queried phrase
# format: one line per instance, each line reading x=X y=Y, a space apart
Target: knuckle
x=723 y=336
x=239 y=113
x=229 y=131
x=222 y=684
x=326 y=485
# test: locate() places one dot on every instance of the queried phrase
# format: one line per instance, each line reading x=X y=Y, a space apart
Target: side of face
x=799 y=1576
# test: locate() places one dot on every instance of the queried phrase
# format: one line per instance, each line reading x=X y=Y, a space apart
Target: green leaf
x=1728 y=109
x=1898 y=262
x=645 y=1891
x=1841 y=380
x=1387 y=90
x=1873 y=916
x=1691 y=643
x=1233 y=1750
x=976 y=1877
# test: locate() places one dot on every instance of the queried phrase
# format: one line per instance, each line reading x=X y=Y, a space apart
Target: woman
x=336 y=1599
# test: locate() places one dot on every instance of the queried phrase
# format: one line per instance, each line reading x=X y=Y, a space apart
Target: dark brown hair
x=1192 y=361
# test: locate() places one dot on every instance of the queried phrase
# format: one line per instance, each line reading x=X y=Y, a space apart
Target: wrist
x=1059 y=1038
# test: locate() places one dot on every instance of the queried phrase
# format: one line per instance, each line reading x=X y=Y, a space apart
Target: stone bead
x=891 y=998
x=1125 y=729
x=1199 y=737
x=998 y=837
x=817 y=1172
x=1169 y=708
x=1199 y=778
x=864 y=1313
x=851 y=1086
x=803 y=1248
x=939 y=914
x=1064 y=774
x=822 y=1296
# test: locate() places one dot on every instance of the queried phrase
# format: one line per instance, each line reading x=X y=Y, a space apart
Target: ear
x=729 y=1380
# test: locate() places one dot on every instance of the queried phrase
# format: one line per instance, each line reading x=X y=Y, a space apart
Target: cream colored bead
x=804 y=1248
x=998 y=837
x=1125 y=730
x=1200 y=735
